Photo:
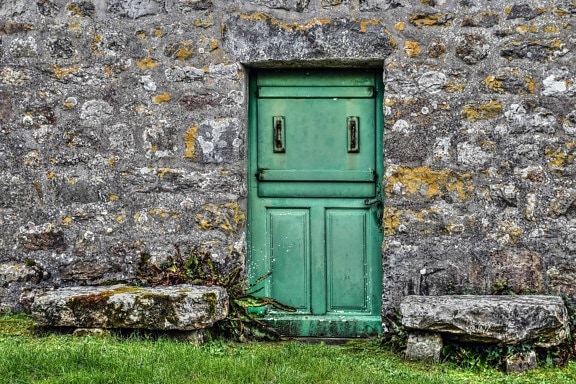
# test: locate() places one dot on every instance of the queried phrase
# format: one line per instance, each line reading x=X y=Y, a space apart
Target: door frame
x=252 y=183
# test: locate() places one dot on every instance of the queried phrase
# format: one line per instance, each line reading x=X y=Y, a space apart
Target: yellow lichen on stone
x=50 y=175
x=531 y=84
x=63 y=72
x=183 y=50
x=427 y=20
x=162 y=98
x=429 y=183
x=204 y=224
x=557 y=43
x=391 y=221
x=559 y=157
x=158 y=32
x=163 y=171
x=550 y=29
x=228 y=217
x=454 y=86
x=95 y=50
x=493 y=83
x=400 y=26
x=190 y=142
x=486 y=111
x=365 y=23
x=67 y=221
x=510 y=230
x=147 y=63
x=255 y=16
x=203 y=23
x=287 y=27
x=74 y=9
x=523 y=29
x=184 y=53
x=158 y=212
x=112 y=197
x=412 y=48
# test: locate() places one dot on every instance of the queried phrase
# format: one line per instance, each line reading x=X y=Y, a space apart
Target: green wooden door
x=315 y=199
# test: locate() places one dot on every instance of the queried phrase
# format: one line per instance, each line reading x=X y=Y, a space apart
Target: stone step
x=536 y=319
x=165 y=308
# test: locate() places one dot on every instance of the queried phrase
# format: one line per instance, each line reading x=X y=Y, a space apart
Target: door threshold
x=327 y=340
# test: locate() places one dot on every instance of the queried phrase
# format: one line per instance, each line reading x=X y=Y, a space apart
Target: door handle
x=373 y=202
x=278 y=134
x=353 y=126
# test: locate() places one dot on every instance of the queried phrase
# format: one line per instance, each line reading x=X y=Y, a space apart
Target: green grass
x=28 y=358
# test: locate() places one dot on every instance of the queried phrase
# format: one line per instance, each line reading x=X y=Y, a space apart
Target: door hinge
x=260 y=174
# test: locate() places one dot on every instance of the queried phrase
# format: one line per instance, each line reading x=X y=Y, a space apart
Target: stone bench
x=503 y=320
x=188 y=308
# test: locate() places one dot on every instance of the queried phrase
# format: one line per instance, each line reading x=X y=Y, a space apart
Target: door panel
x=316 y=134
x=315 y=166
x=346 y=247
x=290 y=256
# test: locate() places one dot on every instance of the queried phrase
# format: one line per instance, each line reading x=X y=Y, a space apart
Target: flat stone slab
x=179 y=307
x=541 y=320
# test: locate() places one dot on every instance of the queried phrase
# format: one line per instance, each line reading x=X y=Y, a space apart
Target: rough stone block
x=523 y=11
x=12 y=272
x=289 y=5
x=180 y=307
x=378 y=5
x=193 y=5
x=472 y=49
x=10 y=8
x=424 y=347
x=135 y=9
x=518 y=270
x=521 y=362
x=542 y=320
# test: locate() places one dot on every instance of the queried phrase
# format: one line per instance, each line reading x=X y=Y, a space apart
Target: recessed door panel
x=289 y=257
x=346 y=247
x=315 y=199
x=316 y=134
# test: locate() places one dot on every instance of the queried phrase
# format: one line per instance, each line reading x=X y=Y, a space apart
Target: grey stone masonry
x=540 y=320
x=179 y=307
x=124 y=126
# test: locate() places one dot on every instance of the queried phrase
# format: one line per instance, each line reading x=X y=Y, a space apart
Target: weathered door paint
x=315 y=199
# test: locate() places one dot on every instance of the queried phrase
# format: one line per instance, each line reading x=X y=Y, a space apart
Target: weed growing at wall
x=395 y=339
x=481 y=356
x=199 y=269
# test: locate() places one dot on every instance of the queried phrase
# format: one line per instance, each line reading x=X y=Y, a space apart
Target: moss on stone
x=212 y=302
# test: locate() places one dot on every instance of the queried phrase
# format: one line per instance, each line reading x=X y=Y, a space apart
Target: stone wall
x=123 y=132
